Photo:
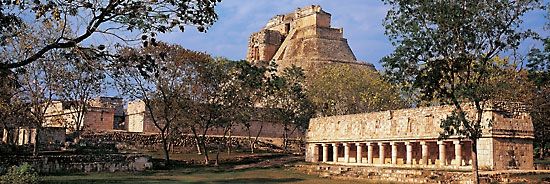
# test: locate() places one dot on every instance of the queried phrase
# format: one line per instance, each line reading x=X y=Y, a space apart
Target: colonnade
x=423 y=152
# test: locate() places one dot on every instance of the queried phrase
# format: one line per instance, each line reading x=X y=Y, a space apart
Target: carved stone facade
x=303 y=38
x=409 y=138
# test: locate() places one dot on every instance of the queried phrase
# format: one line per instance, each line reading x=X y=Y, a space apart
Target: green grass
x=198 y=176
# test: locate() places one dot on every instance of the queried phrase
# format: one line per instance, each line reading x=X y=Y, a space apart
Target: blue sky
x=361 y=20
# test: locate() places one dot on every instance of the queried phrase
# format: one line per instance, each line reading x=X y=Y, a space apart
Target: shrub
x=22 y=174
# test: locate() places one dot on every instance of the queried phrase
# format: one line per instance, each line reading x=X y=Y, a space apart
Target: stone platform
x=411 y=175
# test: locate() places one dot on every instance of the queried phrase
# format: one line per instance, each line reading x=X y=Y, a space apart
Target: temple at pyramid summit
x=303 y=38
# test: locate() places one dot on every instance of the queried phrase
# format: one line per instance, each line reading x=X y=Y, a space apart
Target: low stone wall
x=542 y=166
x=402 y=175
x=183 y=142
x=83 y=163
x=386 y=174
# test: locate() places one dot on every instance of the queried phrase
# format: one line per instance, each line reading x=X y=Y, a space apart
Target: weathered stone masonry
x=409 y=138
x=303 y=38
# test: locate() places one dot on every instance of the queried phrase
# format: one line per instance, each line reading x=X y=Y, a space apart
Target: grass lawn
x=198 y=176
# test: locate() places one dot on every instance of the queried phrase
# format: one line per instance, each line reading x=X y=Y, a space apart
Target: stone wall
x=83 y=163
x=387 y=174
x=135 y=115
x=185 y=142
x=138 y=118
x=506 y=142
x=48 y=135
x=99 y=116
x=391 y=175
x=414 y=124
x=99 y=120
x=513 y=153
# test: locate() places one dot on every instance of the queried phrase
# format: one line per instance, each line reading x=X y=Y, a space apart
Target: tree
x=80 y=79
x=38 y=84
x=207 y=107
x=287 y=101
x=340 y=89
x=539 y=72
x=445 y=50
x=159 y=76
x=13 y=110
x=80 y=20
x=242 y=92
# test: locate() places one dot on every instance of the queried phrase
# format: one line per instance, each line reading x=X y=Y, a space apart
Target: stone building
x=409 y=138
x=103 y=114
x=138 y=119
x=48 y=135
x=303 y=38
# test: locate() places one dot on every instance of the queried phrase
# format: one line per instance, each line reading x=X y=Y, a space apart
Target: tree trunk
x=165 y=149
x=197 y=143
x=219 y=149
x=200 y=145
x=203 y=143
x=285 y=139
x=475 y=167
x=229 y=143
x=36 y=142
x=250 y=139
x=257 y=136
x=541 y=151
x=77 y=137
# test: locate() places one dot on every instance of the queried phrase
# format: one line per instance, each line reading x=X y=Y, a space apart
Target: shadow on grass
x=109 y=180
x=253 y=180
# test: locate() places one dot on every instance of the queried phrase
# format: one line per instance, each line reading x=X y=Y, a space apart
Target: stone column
x=381 y=152
x=409 y=152
x=442 y=155
x=393 y=152
x=458 y=152
x=335 y=152
x=315 y=153
x=325 y=152
x=359 y=157
x=5 y=136
x=425 y=153
x=369 y=153
x=346 y=152
x=23 y=136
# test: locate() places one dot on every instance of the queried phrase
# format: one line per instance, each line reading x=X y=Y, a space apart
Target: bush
x=22 y=174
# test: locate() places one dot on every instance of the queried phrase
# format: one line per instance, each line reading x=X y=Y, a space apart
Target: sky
x=361 y=20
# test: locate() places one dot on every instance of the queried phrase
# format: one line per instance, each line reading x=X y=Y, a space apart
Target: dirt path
x=271 y=162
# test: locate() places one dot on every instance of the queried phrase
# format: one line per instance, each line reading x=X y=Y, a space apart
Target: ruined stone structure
x=139 y=121
x=138 y=118
x=409 y=138
x=103 y=114
x=303 y=38
x=48 y=135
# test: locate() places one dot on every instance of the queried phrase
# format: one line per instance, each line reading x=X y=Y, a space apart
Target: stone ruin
x=409 y=138
x=303 y=38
